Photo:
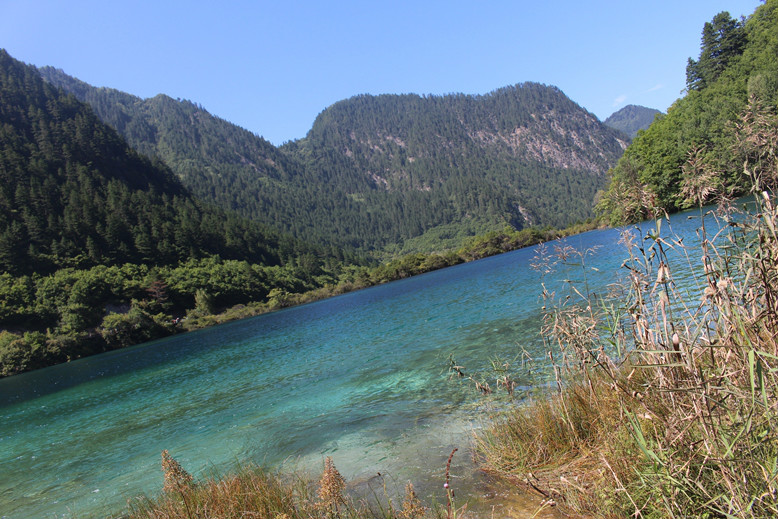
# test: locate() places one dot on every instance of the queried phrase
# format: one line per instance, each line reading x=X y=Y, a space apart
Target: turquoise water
x=361 y=377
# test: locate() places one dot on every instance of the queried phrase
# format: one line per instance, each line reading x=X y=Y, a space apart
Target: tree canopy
x=723 y=39
x=738 y=61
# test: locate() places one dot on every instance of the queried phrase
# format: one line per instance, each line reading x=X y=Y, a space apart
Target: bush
x=134 y=327
x=21 y=353
x=253 y=492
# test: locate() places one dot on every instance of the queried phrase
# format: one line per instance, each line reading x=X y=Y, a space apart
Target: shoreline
x=147 y=319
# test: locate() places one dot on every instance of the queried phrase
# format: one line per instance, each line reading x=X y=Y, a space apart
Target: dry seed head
x=331 y=485
x=412 y=507
x=176 y=478
x=663 y=273
x=708 y=266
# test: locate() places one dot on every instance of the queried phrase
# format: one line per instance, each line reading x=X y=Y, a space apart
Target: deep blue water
x=361 y=377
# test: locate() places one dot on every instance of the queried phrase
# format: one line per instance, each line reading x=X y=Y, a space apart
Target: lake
x=362 y=377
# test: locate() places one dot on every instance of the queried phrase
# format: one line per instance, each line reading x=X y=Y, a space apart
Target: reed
x=666 y=404
x=331 y=487
x=249 y=492
x=253 y=492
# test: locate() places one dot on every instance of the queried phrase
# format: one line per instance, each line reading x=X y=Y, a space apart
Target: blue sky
x=271 y=67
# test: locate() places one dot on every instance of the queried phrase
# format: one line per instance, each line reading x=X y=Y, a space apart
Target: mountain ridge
x=75 y=194
x=463 y=168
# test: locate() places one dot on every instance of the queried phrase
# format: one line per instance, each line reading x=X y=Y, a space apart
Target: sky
x=272 y=67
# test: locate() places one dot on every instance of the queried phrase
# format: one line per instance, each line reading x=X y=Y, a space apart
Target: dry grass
x=666 y=406
x=176 y=478
x=251 y=492
x=412 y=506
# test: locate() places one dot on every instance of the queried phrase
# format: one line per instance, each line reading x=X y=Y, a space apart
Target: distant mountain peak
x=632 y=118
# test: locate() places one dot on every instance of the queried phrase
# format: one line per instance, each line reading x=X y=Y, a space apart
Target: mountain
x=376 y=171
x=632 y=118
x=736 y=73
x=102 y=247
x=217 y=161
x=74 y=194
x=521 y=155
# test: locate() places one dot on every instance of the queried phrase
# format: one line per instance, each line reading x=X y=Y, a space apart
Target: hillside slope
x=217 y=160
x=375 y=171
x=521 y=155
x=74 y=194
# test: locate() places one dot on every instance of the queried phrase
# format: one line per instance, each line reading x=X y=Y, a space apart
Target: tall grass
x=667 y=404
x=251 y=492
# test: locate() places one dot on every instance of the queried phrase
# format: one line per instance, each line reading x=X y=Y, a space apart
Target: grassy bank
x=666 y=405
x=253 y=492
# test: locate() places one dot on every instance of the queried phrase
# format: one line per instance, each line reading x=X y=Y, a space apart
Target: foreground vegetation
x=253 y=492
x=666 y=404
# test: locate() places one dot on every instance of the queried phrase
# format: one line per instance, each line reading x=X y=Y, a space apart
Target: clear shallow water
x=361 y=377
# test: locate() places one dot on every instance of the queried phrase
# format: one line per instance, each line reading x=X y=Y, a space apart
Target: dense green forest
x=216 y=160
x=521 y=155
x=375 y=172
x=73 y=194
x=102 y=247
x=738 y=62
x=631 y=119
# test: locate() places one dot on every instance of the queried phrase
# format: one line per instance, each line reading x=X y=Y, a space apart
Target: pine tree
x=722 y=40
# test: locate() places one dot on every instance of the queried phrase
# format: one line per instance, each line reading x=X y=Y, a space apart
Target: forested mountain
x=632 y=118
x=102 y=247
x=737 y=65
x=375 y=171
x=520 y=155
x=73 y=193
x=218 y=161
